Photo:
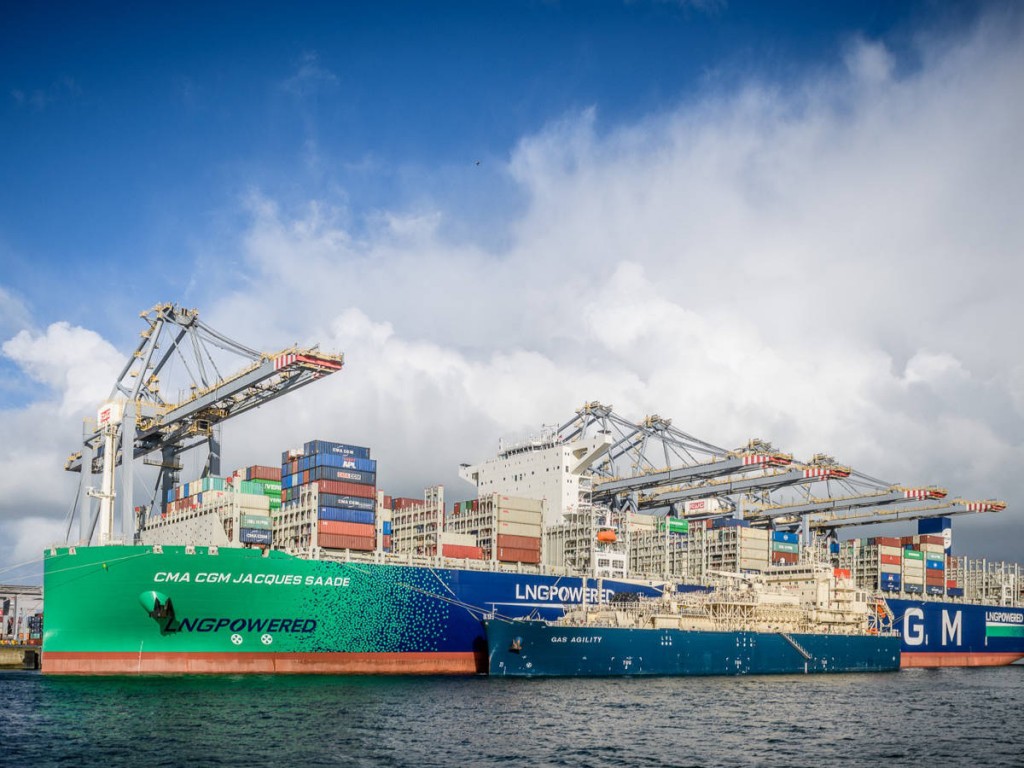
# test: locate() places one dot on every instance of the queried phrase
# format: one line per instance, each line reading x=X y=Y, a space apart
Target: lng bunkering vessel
x=307 y=565
x=778 y=623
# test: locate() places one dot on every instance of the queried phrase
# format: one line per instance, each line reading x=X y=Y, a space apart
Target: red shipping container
x=518 y=542
x=343 y=488
x=785 y=558
x=513 y=555
x=260 y=472
x=841 y=573
x=890 y=559
x=336 y=541
x=345 y=529
x=905 y=540
x=461 y=551
x=387 y=541
x=951 y=584
x=932 y=540
x=388 y=503
x=406 y=503
x=939 y=578
x=887 y=541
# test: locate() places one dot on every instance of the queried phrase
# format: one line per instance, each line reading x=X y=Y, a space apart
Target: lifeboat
x=606 y=535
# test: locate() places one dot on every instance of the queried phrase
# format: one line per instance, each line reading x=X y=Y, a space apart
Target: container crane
x=137 y=420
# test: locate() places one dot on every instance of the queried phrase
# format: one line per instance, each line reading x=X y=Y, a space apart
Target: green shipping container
x=785 y=546
x=250 y=486
x=913 y=554
x=675 y=525
x=255 y=521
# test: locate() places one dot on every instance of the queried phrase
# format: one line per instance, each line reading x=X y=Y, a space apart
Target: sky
x=791 y=221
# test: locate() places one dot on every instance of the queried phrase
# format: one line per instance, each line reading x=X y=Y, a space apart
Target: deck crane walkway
x=662 y=500
x=137 y=420
x=893 y=495
x=833 y=520
x=696 y=459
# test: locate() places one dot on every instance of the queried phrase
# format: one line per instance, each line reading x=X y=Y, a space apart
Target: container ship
x=307 y=565
x=764 y=625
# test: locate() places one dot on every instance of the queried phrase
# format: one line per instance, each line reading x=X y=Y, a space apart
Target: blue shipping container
x=833 y=547
x=889 y=578
x=350 y=502
x=341 y=462
x=387 y=527
x=789 y=538
x=346 y=515
x=955 y=591
x=913 y=588
x=255 y=536
x=934 y=589
x=935 y=565
x=340 y=449
x=890 y=587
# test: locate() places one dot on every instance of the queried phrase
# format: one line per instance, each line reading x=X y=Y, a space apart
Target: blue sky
x=787 y=220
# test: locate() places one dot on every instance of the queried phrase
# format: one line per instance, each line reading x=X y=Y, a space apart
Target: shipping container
x=935 y=565
x=260 y=472
x=345 y=515
x=913 y=588
x=386 y=543
x=729 y=522
x=889 y=578
x=350 y=502
x=782 y=546
x=345 y=528
x=841 y=573
x=519 y=516
x=401 y=502
x=675 y=525
x=519 y=529
x=336 y=541
x=885 y=541
x=336 y=473
x=255 y=536
x=912 y=554
x=338 y=449
x=955 y=591
x=518 y=542
x=387 y=527
x=512 y=555
x=890 y=559
x=254 y=521
x=785 y=558
x=934 y=589
x=785 y=536
x=462 y=552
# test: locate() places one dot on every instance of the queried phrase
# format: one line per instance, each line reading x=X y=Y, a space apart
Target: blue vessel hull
x=947 y=634
x=537 y=649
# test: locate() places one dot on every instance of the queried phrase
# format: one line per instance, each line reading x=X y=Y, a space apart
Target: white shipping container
x=887 y=568
x=519 y=516
x=519 y=529
x=698 y=506
x=897 y=551
x=458 y=539
x=521 y=504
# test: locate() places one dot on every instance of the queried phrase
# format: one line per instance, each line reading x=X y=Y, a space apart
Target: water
x=928 y=718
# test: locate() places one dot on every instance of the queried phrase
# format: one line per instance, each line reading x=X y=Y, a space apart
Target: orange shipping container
x=462 y=551
x=514 y=555
x=518 y=542
x=887 y=541
x=337 y=541
x=891 y=559
x=841 y=573
x=345 y=529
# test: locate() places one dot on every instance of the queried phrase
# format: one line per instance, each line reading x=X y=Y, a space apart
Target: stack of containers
x=460 y=545
x=190 y=495
x=754 y=549
x=934 y=549
x=519 y=529
x=269 y=480
x=890 y=563
x=913 y=570
x=785 y=548
x=343 y=480
x=254 y=529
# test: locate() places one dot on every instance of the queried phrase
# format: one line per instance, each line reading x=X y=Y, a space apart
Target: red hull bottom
x=67 y=663
x=958 y=659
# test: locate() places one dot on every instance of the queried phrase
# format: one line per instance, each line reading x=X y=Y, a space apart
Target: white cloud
x=831 y=266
